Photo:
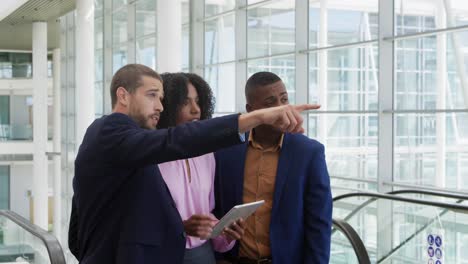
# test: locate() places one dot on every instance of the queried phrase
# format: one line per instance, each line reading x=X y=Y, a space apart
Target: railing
x=354 y=239
x=22 y=241
x=423 y=216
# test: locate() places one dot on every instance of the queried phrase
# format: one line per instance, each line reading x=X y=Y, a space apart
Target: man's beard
x=140 y=119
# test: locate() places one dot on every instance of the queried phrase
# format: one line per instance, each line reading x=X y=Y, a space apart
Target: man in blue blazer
x=289 y=172
x=122 y=210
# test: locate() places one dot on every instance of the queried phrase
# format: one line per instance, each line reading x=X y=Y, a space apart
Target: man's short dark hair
x=129 y=77
x=259 y=79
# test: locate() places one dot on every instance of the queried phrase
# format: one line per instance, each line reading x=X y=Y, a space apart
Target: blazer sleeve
x=318 y=211
x=127 y=144
x=73 y=231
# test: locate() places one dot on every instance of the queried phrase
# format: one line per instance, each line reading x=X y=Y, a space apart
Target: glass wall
x=68 y=110
x=4 y=187
x=430 y=84
x=19 y=65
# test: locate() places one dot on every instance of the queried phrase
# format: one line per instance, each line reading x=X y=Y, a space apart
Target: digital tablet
x=239 y=211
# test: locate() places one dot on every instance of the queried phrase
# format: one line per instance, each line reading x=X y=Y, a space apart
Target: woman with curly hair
x=189 y=98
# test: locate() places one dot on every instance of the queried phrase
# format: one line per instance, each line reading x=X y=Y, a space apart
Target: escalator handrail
x=51 y=243
x=375 y=196
x=353 y=237
x=433 y=193
x=405 y=191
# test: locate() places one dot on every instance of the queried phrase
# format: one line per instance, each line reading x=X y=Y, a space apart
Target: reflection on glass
x=284 y=67
x=219 y=6
x=119 y=57
x=18 y=245
x=15 y=65
x=220 y=40
x=145 y=17
x=430 y=149
x=4 y=189
x=356 y=21
x=185 y=46
x=222 y=81
x=431 y=72
x=350 y=143
x=185 y=5
x=119 y=26
x=413 y=16
x=271 y=29
x=146 y=52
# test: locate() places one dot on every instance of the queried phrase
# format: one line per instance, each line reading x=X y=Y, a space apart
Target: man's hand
x=286 y=118
x=235 y=231
x=199 y=226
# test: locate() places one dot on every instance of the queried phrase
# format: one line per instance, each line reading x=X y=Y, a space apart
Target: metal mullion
x=258 y=4
x=131 y=33
x=301 y=59
x=427 y=33
x=385 y=149
x=197 y=36
x=219 y=15
x=240 y=21
x=107 y=59
x=341 y=46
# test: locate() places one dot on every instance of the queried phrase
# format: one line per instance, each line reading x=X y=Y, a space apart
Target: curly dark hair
x=175 y=93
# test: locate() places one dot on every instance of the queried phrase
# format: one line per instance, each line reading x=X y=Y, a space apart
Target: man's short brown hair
x=129 y=77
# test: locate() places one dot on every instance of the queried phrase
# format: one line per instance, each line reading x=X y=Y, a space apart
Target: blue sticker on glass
x=438 y=262
x=430 y=252
x=430 y=239
x=438 y=253
x=438 y=241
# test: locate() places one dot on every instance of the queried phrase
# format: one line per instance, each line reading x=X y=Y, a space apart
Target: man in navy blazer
x=289 y=172
x=122 y=210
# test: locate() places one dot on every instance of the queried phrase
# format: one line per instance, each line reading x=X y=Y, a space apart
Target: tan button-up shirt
x=259 y=184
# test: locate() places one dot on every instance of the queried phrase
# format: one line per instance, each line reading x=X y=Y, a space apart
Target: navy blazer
x=301 y=217
x=124 y=210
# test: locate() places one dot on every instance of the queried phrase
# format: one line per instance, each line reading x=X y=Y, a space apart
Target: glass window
x=271 y=29
x=222 y=81
x=356 y=21
x=425 y=75
x=284 y=67
x=425 y=142
x=119 y=57
x=185 y=47
x=220 y=40
x=119 y=26
x=416 y=16
x=146 y=52
x=4 y=187
x=219 y=6
x=185 y=5
x=350 y=81
x=145 y=17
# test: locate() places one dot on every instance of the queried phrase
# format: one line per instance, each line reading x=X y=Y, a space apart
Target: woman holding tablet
x=188 y=98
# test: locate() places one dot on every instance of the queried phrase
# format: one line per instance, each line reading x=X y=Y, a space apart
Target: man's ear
x=122 y=96
x=248 y=108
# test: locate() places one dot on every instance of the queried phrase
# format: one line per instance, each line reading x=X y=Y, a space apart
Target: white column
x=169 y=36
x=441 y=22
x=197 y=37
x=323 y=72
x=40 y=161
x=57 y=141
x=84 y=75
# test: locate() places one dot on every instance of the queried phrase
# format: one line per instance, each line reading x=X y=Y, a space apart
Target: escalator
x=396 y=227
x=22 y=242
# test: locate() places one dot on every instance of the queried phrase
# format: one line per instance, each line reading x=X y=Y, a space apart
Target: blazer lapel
x=239 y=174
x=282 y=171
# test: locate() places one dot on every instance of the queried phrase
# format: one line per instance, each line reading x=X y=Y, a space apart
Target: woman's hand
x=235 y=231
x=200 y=226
